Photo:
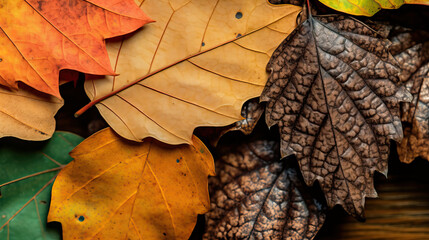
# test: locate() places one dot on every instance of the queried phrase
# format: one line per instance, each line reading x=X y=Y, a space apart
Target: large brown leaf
x=334 y=93
x=255 y=195
x=27 y=114
x=195 y=66
x=411 y=49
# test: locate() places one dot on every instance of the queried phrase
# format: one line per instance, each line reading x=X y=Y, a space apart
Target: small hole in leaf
x=81 y=218
x=43 y=202
x=203 y=44
x=239 y=35
x=165 y=234
x=177 y=160
x=239 y=15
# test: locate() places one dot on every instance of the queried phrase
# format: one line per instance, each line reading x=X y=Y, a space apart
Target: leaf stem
x=309 y=9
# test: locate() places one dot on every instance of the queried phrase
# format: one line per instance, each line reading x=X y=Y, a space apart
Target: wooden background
x=401 y=212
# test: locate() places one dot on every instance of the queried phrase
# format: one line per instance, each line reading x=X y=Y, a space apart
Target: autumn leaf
x=368 y=7
x=251 y=112
x=334 y=93
x=255 y=195
x=27 y=114
x=41 y=37
x=172 y=81
x=116 y=189
x=411 y=49
x=27 y=172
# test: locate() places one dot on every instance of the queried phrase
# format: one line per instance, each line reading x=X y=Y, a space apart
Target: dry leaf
x=195 y=66
x=411 y=49
x=27 y=114
x=258 y=196
x=251 y=112
x=41 y=37
x=334 y=92
x=116 y=189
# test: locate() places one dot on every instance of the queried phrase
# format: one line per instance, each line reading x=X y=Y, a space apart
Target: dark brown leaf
x=411 y=49
x=252 y=111
x=257 y=196
x=334 y=93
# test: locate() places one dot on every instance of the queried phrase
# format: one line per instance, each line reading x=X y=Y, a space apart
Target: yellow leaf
x=116 y=189
x=195 y=66
x=27 y=114
x=368 y=7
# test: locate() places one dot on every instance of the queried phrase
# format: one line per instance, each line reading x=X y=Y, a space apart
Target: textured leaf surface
x=181 y=79
x=27 y=114
x=411 y=49
x=334 y=93
x=41 y=37
x=252 y=111
x=27 y=172
x=368 y=7
x=255 y=195
x=115 y=189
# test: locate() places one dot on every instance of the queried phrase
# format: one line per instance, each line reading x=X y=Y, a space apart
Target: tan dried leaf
x=334 y=93
x=411 y=49
x=27 y=114
x=255 y=195
x=195 y=66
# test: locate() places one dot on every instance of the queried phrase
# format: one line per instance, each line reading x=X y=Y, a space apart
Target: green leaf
x=368 y=7
x=27 y=171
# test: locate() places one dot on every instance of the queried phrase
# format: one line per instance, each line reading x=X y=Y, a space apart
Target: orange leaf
x=41 y=37
x=117 y=189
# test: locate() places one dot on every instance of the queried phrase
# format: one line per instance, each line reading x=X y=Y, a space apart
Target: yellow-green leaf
x=368 y=7
x=116 y=189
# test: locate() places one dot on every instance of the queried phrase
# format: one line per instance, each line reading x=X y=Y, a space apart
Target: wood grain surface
x=400 y=212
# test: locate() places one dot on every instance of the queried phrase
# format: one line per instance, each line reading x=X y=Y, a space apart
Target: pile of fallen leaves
x=337 y=88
